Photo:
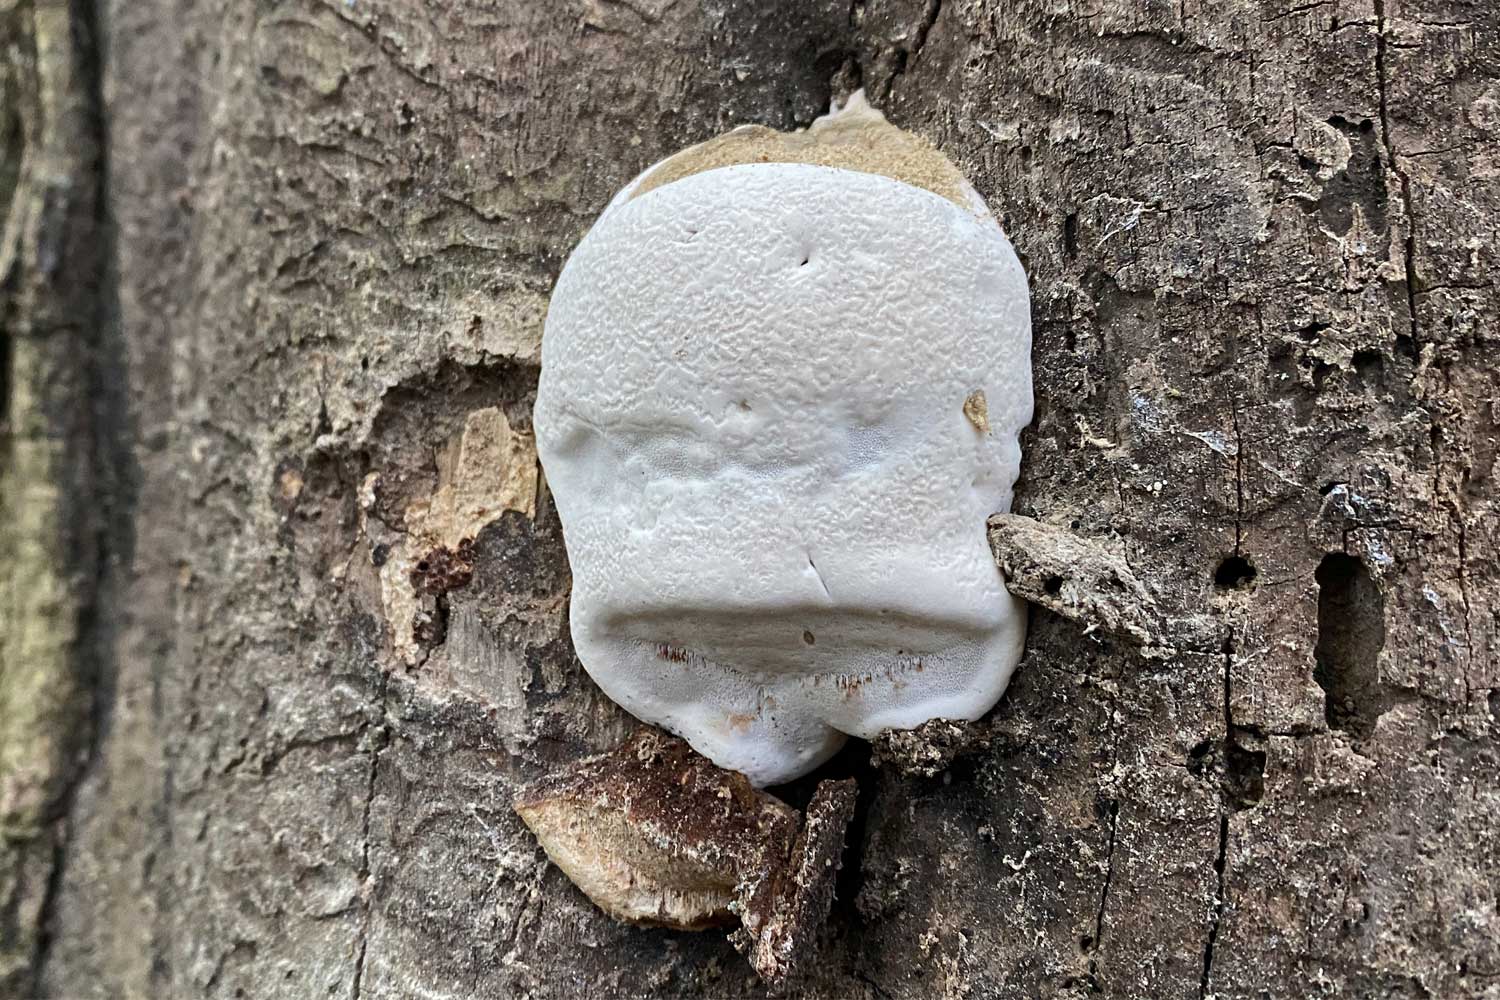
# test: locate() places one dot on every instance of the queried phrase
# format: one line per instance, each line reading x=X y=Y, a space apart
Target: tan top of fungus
x=854 y=137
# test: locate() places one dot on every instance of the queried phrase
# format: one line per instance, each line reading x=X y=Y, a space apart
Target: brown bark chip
x=655 y=834
x=782 y=947
x=929 y=749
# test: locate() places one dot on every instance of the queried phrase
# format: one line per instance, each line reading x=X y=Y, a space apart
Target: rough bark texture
x=1260 y=235
x=59 y=411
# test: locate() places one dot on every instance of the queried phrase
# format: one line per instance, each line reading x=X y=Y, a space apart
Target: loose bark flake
x=656 y=834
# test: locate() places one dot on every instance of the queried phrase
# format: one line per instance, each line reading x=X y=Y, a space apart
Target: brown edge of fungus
x=854 y=137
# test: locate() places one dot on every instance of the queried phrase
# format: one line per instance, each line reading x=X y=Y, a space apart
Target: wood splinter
x=656 y=834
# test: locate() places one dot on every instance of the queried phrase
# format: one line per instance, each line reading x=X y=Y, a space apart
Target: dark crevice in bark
x=1239 y=479
x=854 y=760
x=1235 y=573
x=5 y=346
x=1244 y=771
x=1213 y=927
x=1109 y=877
x=1240 y=781
x=906 y=55
x=12 y=155
x=380 y=737
x=50 y=893
x=1110 y=808
x=864 y=977
x=108 y=465
x=1351 y=634
x=1225 y=808
x=1463 y=593
x=929 y=18
x=1401 y=175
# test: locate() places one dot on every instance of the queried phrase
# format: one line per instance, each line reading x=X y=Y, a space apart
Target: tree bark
x=275 y=275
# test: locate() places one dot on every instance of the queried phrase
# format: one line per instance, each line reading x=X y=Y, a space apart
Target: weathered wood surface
x=1261 y=243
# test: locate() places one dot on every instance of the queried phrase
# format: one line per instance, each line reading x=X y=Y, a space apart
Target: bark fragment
x=781 y=946
x=656 y=834
x=1086 y=583
x=1076 y=578
x=931 y=748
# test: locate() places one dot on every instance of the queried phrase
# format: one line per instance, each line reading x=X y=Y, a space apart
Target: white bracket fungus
x=783 y=380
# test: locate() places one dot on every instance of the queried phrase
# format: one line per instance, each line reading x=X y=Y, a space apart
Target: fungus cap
x=778 y=401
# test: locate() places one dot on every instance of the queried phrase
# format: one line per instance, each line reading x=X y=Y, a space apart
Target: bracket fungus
x=783 y=382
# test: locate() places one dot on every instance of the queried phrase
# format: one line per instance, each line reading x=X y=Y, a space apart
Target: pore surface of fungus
x=783 y=379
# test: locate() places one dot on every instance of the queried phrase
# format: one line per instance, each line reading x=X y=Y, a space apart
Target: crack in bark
x=513 y=933
x=1109 y=857
x=929 y=18
x=381 y=738
x=50 y=891
x=1109 y=877
x=271 y=760
x=1412 y=291
x=1213 y=927
x=1239 y=479
x=1410 y=254
x=906 y=55
x=1221 y=860
x=108 y=461
x=1463 y=593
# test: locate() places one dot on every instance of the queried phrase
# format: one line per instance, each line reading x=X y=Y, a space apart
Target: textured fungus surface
x=756 y=413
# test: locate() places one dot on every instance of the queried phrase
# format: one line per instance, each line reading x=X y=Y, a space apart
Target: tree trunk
x=275 y=275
